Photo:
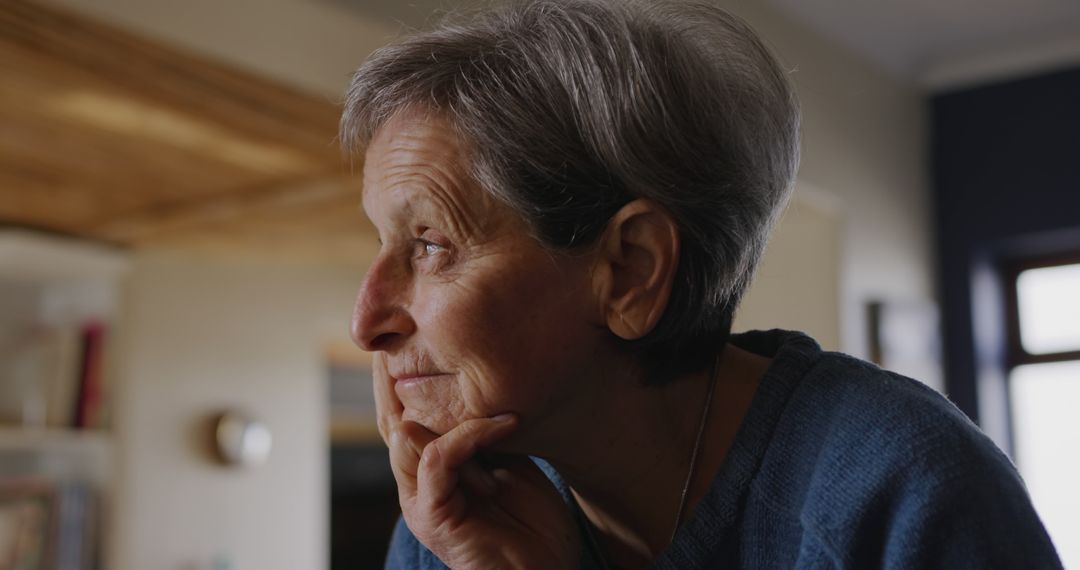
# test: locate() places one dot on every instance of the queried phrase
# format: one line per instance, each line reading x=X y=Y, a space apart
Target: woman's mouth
x=411 y=379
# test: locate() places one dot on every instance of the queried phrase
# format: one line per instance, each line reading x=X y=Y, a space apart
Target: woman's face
x=473 y=317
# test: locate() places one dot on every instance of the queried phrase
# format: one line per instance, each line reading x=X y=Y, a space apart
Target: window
x=1049 y=309
x=1044 y=389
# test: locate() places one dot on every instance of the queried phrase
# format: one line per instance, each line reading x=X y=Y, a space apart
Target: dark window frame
x=1015 y=353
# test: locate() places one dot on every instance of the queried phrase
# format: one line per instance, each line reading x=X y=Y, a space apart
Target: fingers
x=407 y=441
x=424 y=463
x=446 y=460
x=387 y=405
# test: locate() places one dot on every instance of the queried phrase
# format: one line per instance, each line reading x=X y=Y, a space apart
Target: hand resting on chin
x=471 y=509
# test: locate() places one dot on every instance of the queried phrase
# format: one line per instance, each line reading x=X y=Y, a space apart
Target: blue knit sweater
x=839 y=464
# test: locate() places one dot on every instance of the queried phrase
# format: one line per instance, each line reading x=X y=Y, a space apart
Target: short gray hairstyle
x=573 y=108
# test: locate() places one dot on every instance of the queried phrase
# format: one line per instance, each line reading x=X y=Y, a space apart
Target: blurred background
x=180 y=244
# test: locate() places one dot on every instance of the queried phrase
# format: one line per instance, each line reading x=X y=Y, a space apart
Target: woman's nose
x=380 y=319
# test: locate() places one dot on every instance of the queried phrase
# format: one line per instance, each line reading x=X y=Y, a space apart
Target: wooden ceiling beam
x=116 y=137
x=183 y=81
x=286 y=197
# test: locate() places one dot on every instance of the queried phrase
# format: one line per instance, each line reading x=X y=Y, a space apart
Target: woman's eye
x=426 y=248
x=430 y=254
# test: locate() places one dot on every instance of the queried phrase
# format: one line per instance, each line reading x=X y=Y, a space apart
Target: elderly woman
x=571 y=198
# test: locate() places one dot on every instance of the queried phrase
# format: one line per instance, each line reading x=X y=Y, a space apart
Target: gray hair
x=573 y=108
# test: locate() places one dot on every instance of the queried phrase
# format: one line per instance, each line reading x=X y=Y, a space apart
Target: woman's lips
x=408 y=380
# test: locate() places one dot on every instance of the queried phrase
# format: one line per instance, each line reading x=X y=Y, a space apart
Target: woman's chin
x=436 y=422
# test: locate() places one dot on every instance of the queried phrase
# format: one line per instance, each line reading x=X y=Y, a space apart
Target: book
x=89 y=400
x=27 y=513
x=47 y=524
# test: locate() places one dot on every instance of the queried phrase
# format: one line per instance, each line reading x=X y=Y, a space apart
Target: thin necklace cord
x=594 y=543
x=697 y=450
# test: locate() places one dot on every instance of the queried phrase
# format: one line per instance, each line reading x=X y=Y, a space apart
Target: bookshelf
x=57 y=454
x=58 y=301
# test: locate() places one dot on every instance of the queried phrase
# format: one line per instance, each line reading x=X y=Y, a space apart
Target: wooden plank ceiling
x=115 y=138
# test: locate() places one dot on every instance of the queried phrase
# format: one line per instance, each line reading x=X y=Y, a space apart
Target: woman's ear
x=635 y=268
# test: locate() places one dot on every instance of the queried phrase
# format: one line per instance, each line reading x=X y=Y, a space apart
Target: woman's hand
x=496 y=512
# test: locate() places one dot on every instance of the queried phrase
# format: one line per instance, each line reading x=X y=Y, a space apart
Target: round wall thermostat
x=241 y=440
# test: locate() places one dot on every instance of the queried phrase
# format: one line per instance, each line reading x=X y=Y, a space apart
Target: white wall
x=864 y=145
x=794 y=290
x=198 y=335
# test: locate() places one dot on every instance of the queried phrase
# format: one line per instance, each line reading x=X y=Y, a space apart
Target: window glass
x=1046 y=429
x=1049 y=304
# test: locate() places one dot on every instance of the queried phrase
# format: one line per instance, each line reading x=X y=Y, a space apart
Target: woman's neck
x=627 y=456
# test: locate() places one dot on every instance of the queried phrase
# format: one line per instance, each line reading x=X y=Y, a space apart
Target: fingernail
x=503 y=417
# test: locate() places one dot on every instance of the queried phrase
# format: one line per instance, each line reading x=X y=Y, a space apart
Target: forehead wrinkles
x=421 y=165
